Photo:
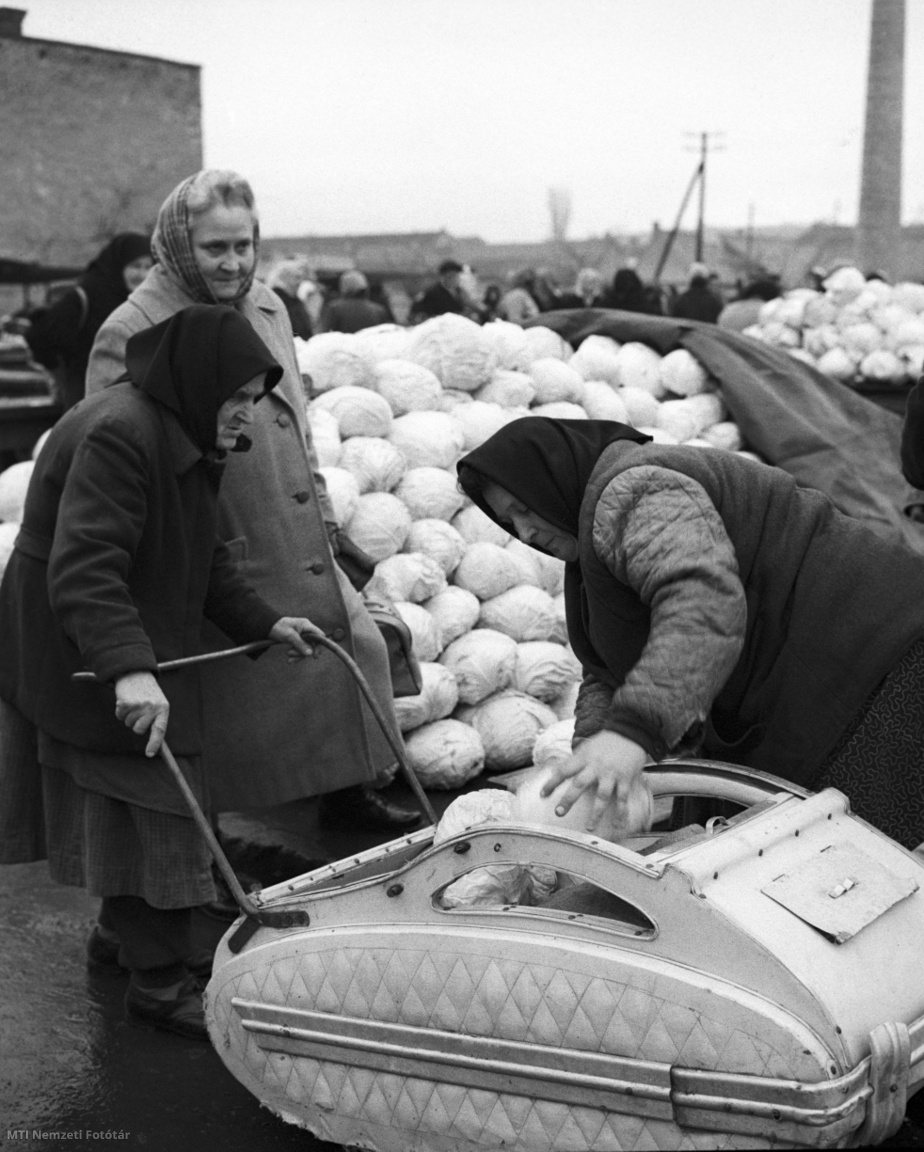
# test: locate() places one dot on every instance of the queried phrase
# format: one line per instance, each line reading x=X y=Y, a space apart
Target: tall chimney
x=11 y=22
x=878 y=242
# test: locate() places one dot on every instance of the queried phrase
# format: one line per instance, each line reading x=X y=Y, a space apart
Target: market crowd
x=177 y=506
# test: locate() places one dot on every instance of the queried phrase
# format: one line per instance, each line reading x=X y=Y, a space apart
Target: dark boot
x=182 y=1014
x=363 y=809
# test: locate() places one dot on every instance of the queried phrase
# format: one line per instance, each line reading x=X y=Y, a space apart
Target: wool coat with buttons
x=274 y=731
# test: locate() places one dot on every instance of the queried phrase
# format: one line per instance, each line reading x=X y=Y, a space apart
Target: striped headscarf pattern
x=172 y=247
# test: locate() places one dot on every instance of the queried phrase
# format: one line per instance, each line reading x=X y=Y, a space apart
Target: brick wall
x=91 y=142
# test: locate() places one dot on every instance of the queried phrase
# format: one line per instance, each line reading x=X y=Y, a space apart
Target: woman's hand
x=605 y=762
x=289 y=629
x=142 y=706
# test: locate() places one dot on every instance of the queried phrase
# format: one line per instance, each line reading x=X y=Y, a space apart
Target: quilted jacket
x=718 y=603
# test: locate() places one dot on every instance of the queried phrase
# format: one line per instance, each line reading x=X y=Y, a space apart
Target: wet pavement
x=74 y=1075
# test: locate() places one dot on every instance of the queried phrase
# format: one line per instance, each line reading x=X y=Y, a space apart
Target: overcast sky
x=414 y=115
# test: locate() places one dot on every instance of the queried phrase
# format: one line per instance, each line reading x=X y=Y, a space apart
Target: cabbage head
x=455 y=349
x=377 y=465
x=545 y=669
x=343 y=492
x=482 y=662
x=430 y=493
x=445 y=755
x=379 y=525
x=407 y=387
x=436 y=701
x=508 y=724
x=487 y=570
x=438 y=540
x=428 y=439
x=523 y=613
x=359 y=411
x=454 y=611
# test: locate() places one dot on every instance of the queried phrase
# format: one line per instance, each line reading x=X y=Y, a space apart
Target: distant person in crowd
x=304 y=730
x=628 y=294
x=446 y=295
x=61 y=335
x=587 y=291
x=379 y=296
x=517 y=305
x=745 y=311
x=285 y=280
x=312 y=297
x=699 y=301
x=545 y=291
x=117 y=563
x=352 y=310
x=490 y=303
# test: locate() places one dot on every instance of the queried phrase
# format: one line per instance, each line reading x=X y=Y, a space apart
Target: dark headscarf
x=103 y=280
x=545 y=463
x=195 y=361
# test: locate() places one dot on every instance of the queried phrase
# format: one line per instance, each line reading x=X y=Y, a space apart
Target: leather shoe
x=363 y=809
x=184 y=1015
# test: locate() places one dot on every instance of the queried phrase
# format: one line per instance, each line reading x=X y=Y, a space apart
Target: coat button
x=303 y=497
x=317 y=567
x=283 y=420
x=338 y=634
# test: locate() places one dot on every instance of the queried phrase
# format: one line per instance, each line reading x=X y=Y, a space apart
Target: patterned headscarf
x=172 y=246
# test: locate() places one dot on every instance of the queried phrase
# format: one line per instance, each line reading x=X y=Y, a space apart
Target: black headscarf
x=104 y=282
x=545 y=463
x=195 y=361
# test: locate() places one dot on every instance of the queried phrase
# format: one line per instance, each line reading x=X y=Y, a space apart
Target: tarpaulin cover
x=823 y=433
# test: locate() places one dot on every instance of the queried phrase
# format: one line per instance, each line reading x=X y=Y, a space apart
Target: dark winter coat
x=297 y=313
x=303 y=728
x=62 y=334
x=116 y=561
x=715 y=590
x=352 y=314
x=699 y=302
x=436 y=301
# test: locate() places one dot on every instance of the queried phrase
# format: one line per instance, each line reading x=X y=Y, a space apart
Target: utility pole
x=699 y=177
x=705 y=147
x=703 y=152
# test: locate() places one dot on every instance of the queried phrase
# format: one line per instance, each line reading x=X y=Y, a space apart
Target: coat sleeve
x=658 y=532
x=107 y=356
x=101 y=515
x=912 y=450
x=230 y=603
x=53 y=329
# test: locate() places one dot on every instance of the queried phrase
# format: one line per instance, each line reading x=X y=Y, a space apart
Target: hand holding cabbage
x=607 y=764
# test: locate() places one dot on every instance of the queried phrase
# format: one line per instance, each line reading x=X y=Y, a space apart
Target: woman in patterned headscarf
x=304 y=731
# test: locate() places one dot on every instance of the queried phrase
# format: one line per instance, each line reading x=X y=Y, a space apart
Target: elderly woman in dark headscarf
x=115 y=565
x=717 y=607
x=61 y=335
x=276 y=515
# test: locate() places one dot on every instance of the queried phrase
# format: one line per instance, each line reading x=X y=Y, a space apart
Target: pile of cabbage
x=392 y=410
x=857 y=331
